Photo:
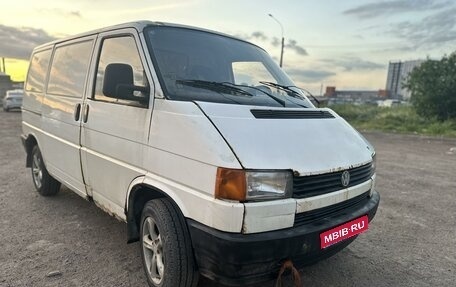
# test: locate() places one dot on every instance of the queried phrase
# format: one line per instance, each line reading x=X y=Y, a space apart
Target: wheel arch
x=140 y=193
x=29 y=142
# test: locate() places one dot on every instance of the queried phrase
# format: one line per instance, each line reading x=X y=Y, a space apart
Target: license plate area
x=344 y=231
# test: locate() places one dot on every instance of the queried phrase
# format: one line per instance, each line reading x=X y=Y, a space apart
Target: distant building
x=383 y=93
x=353 y=96
x=397 y=73
x=5 y=84
x=330 y=92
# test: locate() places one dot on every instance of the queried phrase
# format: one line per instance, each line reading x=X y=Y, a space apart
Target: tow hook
x=296 y=277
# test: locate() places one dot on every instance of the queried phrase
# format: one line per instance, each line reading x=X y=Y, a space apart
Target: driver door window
x=120 y=50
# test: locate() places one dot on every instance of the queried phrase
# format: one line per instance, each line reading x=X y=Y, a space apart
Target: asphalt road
x=411 y=242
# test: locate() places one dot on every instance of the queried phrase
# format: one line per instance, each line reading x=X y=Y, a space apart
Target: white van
x=218 y=164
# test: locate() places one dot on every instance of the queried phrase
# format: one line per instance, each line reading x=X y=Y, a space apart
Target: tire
x=44 y=183
x=166 y=250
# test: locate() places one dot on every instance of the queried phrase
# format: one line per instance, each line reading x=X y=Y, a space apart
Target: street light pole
x=283 y=39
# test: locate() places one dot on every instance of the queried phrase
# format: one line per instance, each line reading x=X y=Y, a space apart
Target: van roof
x=138 y=25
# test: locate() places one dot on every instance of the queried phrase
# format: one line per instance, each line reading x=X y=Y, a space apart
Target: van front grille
x=312 y=185
x=317 y=214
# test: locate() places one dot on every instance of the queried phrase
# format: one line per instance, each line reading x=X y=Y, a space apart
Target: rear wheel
x=44 y=183
x=166 y=250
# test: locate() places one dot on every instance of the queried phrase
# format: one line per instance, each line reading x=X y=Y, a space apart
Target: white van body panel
x=184 y=152
x=181 y=128
x=62 y=138
x=114 y=138
x=269 y=215
x=306 y=146
x=222 y=215
x=31 y=104
x=114 y=147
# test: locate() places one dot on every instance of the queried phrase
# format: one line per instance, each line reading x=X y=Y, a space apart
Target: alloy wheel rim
x=37 y=172
x=153 y=250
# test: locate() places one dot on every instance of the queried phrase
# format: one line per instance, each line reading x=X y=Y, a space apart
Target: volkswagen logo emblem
x=345 y=178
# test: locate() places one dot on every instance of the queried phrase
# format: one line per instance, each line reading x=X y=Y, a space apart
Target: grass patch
x=395 y=119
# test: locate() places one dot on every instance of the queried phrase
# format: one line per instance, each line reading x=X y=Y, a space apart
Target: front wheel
x=44 y=183
x=166 y=250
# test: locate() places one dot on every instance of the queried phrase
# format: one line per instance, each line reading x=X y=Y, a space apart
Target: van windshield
x=194 y=65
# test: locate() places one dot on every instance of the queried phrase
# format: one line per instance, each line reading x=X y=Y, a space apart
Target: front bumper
x=239 y=259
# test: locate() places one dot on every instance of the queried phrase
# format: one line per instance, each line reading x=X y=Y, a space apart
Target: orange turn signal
x=230 y=184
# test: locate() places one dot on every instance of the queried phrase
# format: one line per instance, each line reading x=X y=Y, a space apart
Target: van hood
x=307 y=141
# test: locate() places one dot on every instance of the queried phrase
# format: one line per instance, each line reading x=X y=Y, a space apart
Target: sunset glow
x=347 y=44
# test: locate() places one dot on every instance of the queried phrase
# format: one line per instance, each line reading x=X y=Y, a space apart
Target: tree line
x=433 y=88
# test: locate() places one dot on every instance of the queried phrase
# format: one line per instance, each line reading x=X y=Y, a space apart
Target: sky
x=347 y=44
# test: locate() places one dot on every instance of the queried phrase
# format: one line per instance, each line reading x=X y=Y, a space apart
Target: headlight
x=374 y=163
x=268 y=185
x=374 y=167
x=244 y=185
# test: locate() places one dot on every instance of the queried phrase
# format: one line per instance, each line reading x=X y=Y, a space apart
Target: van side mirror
x=118 y=83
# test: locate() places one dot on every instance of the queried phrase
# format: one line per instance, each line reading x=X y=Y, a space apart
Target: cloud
x=308 y=76
x=60 y=12
x=430 y=32
x=381 y=8
x=145 y=10
x=19 y=42
x=358 y=36
x=418 y=33
x=274 y=41
x=293 y=45
x=354 y=63
x=76 y=14
x=256 y=35
x=259 y=35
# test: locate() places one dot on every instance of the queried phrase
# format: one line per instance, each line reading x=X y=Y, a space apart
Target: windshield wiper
x=278 y=100
x=215 y=86
x=293 y=94
x=290 y=92
x=226 y=87
x=307 y=92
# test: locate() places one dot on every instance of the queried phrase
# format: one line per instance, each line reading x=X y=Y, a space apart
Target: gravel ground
x=411 y=242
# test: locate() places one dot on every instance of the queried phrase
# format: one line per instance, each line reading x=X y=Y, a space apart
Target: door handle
x=85 y=116
x=77 y=112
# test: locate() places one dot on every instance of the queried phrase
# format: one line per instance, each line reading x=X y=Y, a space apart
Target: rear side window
x=37 y=71
x=69 y=69
x=120 y=50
